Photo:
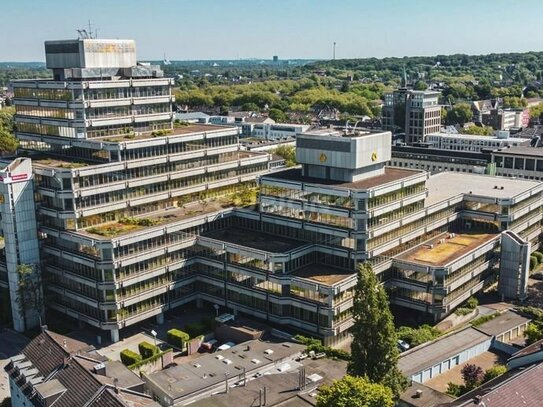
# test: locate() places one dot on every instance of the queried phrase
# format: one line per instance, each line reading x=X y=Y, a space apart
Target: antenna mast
x=334 y=53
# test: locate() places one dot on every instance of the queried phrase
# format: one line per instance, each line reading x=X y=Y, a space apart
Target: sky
x=234 y=29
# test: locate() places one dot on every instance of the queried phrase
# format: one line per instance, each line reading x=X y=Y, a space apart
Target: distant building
x=466 y=142
x=275 y=59
x=192 y=117
x=506 y=119
x=277 y=131
x=417 y=113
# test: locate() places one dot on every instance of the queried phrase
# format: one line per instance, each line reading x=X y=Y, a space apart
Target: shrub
x=316 y=346
x=533 y=262
x=307 y=341
x=539 y=257
x=195 y=329
x=472 y=302
x=494 y=372
x=472 y=375
x=129 y=358
x=455 y=390
x=485 y=318
x=417 y=336
x=147 y=349
x=178 y=338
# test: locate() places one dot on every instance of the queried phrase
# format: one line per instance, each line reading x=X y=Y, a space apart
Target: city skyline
x=226 y=32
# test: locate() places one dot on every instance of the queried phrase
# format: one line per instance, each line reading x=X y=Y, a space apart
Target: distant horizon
x=294 y=29
x=295 y=58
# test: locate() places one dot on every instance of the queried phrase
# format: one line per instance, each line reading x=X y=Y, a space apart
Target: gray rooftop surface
x=522 y=150
x=503 y=323
x=429 y=398
x=256 y=239
x=187 y=379
x=432 y=353
x=446 y=185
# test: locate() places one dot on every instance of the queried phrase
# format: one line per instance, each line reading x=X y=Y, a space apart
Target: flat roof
x=442 y=254
x=323 y=274
x=255 y=239
x=193 y=128
x=342 y=133
x=57 y=162
x=521 y=150
x=503 y=323
x=206 y=371
x=445 y=185
x=432 y=353
x=430 y=397
x=391 y=174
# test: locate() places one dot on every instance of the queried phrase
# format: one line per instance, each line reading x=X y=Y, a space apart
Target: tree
x=30 y=292
x=374 y=347
x=494 y=372
x=278 y=115
x=472 y=375
x=460 y=114
x=354 y=392
x=421 y=85
x=288 y=153
x=478 y=130
x=8 y=142
x=533 y=332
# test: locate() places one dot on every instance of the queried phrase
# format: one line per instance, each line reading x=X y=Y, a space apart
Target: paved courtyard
x=113 y=351
x=11 y=344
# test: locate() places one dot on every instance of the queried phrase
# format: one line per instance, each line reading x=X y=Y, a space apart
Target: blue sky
x=231 y=29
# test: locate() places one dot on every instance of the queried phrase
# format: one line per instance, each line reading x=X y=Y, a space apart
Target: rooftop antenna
x=87 y=33
x=334 y=53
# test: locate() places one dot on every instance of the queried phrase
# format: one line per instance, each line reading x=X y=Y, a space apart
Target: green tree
x=533 y=332
x=278 y=115
x=30 y=292
x=288 y=153
x=8 y=142
x=478 y=130
x=354 y=392
x=374 y=348
x=421 y=85
x=494 y=372
x=250 y=107
x=460 y=114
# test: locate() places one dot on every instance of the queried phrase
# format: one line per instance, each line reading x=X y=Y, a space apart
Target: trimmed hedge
x=129 y=358
x=539 y=256
x=178 y=338
x=149 y=360
x=147 y=349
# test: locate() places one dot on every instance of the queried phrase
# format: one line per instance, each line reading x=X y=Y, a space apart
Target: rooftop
x=428 y=398
x=176 y=131
x=522 y=151
x=432 y=353
x=342 y=132
x=255 y=239
x=323 y=274
x=209 y=369
x=503 y=323
x=433 y=253
x=446 y=185
x=391 y=174
x=523 y=389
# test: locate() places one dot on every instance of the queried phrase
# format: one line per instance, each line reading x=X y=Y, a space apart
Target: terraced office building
x=116 y=183
x=137 y=216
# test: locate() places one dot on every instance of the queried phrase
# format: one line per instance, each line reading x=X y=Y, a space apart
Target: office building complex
x=416 y=113
x=136 y=217
x=118 y=185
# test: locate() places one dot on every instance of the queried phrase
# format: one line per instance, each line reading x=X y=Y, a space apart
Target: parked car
x=403 y=345
x=537 y=276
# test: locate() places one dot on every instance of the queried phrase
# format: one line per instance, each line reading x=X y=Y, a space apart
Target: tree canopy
x=374 y=348
x=354 y=392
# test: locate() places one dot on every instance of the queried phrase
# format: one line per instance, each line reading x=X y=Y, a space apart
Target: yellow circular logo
x=374 y=156
x=323 y=158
